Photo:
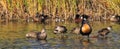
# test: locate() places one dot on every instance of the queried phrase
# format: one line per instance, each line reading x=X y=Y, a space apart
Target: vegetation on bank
x=22 y=9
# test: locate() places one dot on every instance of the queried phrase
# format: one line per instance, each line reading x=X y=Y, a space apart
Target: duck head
x=84 y=20
x=85 y=16
x=43 y=31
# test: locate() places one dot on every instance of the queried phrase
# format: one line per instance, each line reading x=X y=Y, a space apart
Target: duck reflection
x=81 y=44
x=103 y=42
x=41 y=44
x=43 y=41
x=85 y=44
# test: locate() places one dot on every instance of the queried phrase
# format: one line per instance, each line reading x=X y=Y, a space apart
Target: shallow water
x=12 y=36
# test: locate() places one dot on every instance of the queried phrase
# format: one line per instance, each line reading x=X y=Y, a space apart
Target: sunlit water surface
x=12 y=36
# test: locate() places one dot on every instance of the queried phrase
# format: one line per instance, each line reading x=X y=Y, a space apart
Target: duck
x=43 y=19
x=40 y=18
x=37 y=35
x=85 y=16
x=78 y=18
x=104 y=31
x=115 y=18
x=37 y=16
x=60 y=29
x=76 y=30
x=85 y=28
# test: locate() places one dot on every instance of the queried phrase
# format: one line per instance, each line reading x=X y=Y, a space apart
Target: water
x=12 y=36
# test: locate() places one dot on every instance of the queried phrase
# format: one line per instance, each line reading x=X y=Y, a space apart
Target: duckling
x=105 y=31
x=38 y=35
x=76 y=30
x=85 y=28
x=60 y=29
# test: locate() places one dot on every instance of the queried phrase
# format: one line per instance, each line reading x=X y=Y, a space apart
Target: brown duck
x=105 y=31
x=38 y=35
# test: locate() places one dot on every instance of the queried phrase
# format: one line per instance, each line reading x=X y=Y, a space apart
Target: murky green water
x=12 y=36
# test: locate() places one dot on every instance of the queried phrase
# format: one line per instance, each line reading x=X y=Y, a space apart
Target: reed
x=61 y=8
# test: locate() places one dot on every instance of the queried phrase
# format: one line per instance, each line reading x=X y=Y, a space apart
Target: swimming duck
x=38 y=35
x=60 y=29
x=105 y=31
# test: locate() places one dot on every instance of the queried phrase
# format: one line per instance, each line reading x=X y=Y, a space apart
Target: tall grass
x=61 y=8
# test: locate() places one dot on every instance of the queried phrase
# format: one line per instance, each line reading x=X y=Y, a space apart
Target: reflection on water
x=13 y=37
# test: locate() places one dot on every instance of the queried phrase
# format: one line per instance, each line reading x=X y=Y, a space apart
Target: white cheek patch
x=81 y=17
x=108 y=28
x=113 y=16
x=27 y=35
x=58 y=28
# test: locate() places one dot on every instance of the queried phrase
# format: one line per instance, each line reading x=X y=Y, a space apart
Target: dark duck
x=37 y=35
x=60 y=29
x=85 y=28
x=105 y=31
x=44 y=18
x=40 y=18
x=78 y=18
